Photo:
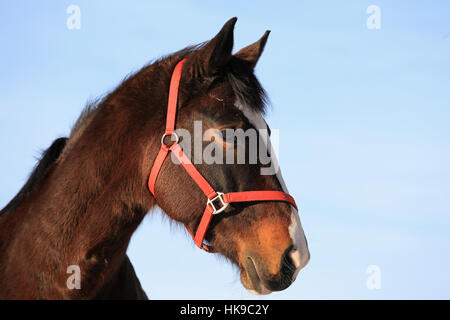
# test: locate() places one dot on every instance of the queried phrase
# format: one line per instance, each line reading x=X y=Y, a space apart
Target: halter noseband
x=216 y=201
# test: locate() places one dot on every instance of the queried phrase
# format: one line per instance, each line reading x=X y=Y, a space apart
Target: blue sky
x=367 y=110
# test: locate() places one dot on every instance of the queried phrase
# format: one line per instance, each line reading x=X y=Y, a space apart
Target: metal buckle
x=223 y=203
x=177 y=138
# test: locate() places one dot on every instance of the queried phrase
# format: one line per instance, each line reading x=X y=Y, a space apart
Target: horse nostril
x=294 y=256
x=299 y=259
x=286 y=260
x=287 y=267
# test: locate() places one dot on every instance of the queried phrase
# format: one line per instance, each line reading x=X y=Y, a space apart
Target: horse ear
x=252 y=52
x=216 y=52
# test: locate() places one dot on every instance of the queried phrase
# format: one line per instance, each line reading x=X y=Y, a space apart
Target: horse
x=90 y=191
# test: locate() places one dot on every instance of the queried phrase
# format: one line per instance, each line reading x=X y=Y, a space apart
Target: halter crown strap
x=217 y=202
x=173 y=97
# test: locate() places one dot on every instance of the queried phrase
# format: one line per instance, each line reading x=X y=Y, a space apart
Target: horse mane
x=48 y=157
x=244 y=83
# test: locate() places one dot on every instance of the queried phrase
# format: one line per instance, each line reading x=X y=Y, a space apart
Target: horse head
x=221 y=128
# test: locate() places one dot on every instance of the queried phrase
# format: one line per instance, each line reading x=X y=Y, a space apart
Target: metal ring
x=224 y=204
x=177 y=138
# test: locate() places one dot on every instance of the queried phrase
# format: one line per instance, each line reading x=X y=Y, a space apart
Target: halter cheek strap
x=216 y=202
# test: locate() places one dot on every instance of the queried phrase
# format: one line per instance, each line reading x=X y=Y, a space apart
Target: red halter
x=216 y=201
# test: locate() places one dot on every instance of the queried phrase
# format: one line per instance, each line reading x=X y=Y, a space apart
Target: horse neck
x=95 y=195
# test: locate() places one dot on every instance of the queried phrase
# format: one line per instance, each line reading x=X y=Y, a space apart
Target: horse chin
x=257 y=293
x=251 y=280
